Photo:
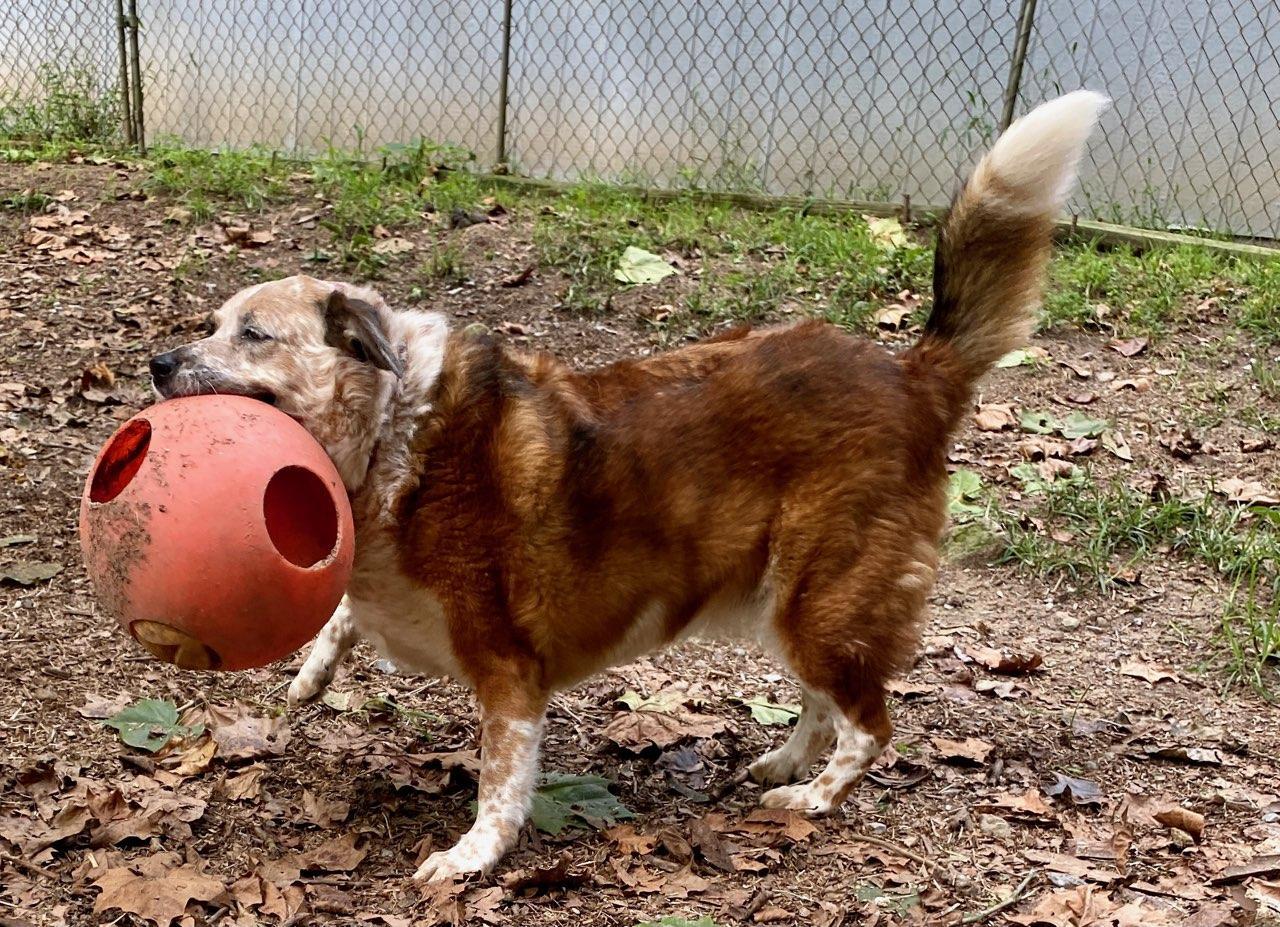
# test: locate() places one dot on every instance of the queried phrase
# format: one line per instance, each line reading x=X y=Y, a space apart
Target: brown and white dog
x=521 y=525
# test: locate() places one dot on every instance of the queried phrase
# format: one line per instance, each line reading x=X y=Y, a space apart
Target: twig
x=903 y=852
x=979 y=916
x=729 y=785
x=30 y=868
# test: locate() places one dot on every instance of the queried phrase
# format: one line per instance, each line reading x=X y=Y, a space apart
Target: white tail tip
x=1033 y=164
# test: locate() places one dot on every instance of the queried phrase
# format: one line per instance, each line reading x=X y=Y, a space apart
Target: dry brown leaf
x=196 y=759
x=995 y=417
x=537 y=880
x=969 y=750
x=629 y=842
x=323 y=812
x=1181 y=818
x=160 y=897
x=1004 y=662
x=241 y=735
x=244 y=786
x=643 y=728
x=1152 y=674
x=1247 y=492
x=1128 y=347
x=341 y=854
x=893 y=317
x=771 y=825
x=393 y=246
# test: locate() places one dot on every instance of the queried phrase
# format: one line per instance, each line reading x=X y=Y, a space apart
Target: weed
x=71 y=106
x=248 y=178
x=1097 y=532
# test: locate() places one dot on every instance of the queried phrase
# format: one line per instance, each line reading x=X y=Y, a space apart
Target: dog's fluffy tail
x=994 y=245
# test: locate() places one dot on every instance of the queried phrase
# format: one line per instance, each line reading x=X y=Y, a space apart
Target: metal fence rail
x=881 y=100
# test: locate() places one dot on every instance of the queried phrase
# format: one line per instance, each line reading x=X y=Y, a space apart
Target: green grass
x=204 y=181
x=71 y=107
x=1110 y=528
x=749 y=263
x=1148 y=292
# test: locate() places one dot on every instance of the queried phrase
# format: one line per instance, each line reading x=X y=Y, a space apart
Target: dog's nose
x=163 y=367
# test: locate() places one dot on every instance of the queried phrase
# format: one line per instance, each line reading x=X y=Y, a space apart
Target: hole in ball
x=120 y=461
x=301 y=517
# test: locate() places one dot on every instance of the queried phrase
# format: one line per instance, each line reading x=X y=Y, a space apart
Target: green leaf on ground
x=765 y=712
x=640 y=266
x=1038 y=422
x=151 y=723
x=679 y=922
x=887 y=232
x=562 y=802
x=1079 y=425
x=963 y=489
x=29 y=572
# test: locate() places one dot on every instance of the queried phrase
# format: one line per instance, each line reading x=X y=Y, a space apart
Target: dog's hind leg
x=335 y=641
x=813 y=733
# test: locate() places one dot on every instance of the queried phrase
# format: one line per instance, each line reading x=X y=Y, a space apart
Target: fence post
x=139 y=130
x=1026 y=19
x=126 y=100
x=500 y=155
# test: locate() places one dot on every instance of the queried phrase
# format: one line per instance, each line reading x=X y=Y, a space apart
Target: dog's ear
x=355 y=327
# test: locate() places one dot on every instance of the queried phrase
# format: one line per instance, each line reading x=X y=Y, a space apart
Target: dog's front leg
x=327 y=653
x=511 y=732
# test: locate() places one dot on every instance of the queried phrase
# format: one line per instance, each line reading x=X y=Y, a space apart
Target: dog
x=521 y=525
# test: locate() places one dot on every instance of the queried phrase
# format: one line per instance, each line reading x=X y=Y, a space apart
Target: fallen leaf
x=243 y=736
x=1151 y=674
x=1128 y=347
x=159 y=896
x=1037 y=422
x=1077 y=791
x=1023 y=357
x=1004 y=662
x=196 y=759
x=1181 y=818
x=631 y=843
x=1115 y=442
x=639 y=266
x=893 y=317
x=537 y=880
x=1079 y=425
x=151 y=723
x=994 y=416
x=28 y=572
x=774 y=824
x=766 y=712
x=887 y=232
x=323 y=812
x=971 y=750
x=244 y=786
x=1247 y=492
x=519 y=278
x=341 y=854
x=562 y=802
x=393 y=246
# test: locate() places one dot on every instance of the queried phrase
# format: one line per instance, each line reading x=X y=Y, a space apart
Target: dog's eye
x=249 y=333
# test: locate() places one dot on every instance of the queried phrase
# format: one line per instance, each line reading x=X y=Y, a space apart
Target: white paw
x=806 y=797
x=777 y=767
x=307 y=685
x=456 y=862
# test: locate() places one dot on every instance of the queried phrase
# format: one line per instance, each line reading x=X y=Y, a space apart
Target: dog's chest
x=401 y=618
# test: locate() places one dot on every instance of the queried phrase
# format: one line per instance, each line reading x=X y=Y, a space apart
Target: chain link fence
x=882 y=100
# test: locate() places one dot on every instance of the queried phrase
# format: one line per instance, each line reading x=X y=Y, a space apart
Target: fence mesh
x=872 y=101
x=59 y=70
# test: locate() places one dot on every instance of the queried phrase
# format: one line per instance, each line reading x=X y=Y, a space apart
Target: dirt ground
x=1118 y=782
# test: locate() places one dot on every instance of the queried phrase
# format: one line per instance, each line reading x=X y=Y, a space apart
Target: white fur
x=811 y=736
x=855 y=751
x=1037 y=157
x=504 y=805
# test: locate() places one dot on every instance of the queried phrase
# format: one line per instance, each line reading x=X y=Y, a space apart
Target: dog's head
x=320 y=352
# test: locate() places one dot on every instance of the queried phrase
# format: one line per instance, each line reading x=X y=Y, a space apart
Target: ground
x=1086 y=738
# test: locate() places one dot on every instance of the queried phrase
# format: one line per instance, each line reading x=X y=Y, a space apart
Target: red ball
x=217 y=532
